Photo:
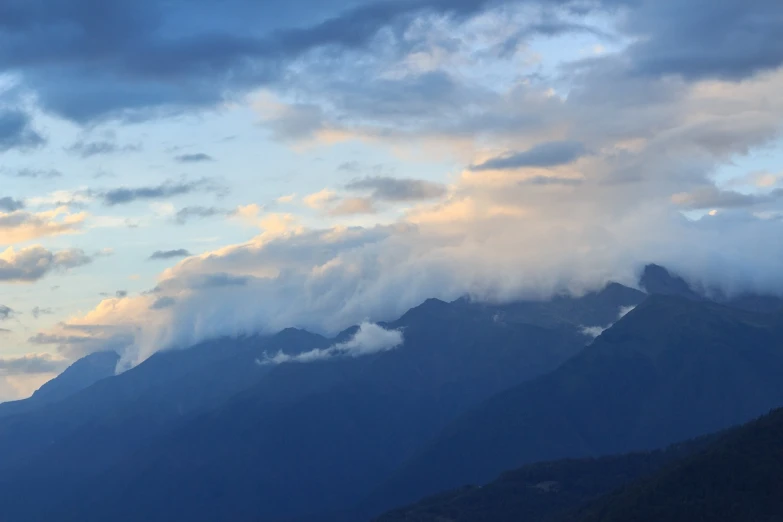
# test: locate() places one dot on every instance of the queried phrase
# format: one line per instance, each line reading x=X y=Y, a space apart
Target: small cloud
x=194 y=158
x=349 y=166
x=124 y=195
x=353 y=206
x=320 y=200
x=370 y=338
x=88 y=149
x=286 y=199
x=185 y=214
x=5 y=313
x=593 y=331
x=38 y=311
x=37 y=174
x=550 y=154
x=383 y=188
x=8 y=204
x=32 y=263
x=121 y=294
x=169 y=254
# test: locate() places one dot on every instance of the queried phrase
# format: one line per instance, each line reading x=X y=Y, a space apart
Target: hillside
x=739 y=479
x=670 y=370
x=210 y=413
x=543 y=491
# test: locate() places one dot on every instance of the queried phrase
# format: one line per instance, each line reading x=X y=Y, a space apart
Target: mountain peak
x=656 y=279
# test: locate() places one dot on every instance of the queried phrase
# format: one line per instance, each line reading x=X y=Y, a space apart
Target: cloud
x=194 y=158
x=37 y=312
x=37 y=174
x=32 y=364
x=169 y=254
x=20 y=226
x=396 y=189
x=525 y=225
x=5 y=313
x=16 y=131
x=353 y=206
x=163 y=303
x=595 y=331
x=9 y=204
x=186 y=213
x=712 y=197
x=88 y=149
x=320 y=200
x=33 y=263
x=549 y=154
x=123 y=196
x=370 y=338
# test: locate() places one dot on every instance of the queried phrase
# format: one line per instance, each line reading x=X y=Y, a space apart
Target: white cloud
x=369 y=338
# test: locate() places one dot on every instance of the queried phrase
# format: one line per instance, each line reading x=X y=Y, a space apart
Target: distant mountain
x=738 y=479
x=544 y=491
x=207 y=433
x=669 y=370
x=80 y=375
x=657 y=280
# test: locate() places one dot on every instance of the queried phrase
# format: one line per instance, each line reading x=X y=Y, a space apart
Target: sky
x=172 y=171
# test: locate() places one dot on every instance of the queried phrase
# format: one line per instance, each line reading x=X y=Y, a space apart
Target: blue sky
x=321 y=164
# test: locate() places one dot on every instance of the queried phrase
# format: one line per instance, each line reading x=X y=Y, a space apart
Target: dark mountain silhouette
x=543 y=491
x=207 y=431
x=80 y=375
x=670 y=370
x=738 y=479
x=656 y=279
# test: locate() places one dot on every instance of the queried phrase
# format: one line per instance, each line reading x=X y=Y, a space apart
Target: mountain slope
x=182 y=413
x=80 y=375
x=540 y=492
x=670 y=370
x=739 y=479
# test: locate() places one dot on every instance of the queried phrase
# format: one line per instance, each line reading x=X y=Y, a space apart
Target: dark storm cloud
x=199 y=157
x=8 y=204
x=125 y=195
x=88 y=60
x=549 y=154
x=169 y=254
x=394 y=189
x=16 y=131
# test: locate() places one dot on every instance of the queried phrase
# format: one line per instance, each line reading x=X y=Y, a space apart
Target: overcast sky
x=171 y=171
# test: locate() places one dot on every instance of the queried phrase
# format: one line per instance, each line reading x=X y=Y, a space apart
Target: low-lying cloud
x=370 y=338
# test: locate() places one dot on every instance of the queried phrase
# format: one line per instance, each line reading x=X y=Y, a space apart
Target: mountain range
x=222 y=431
